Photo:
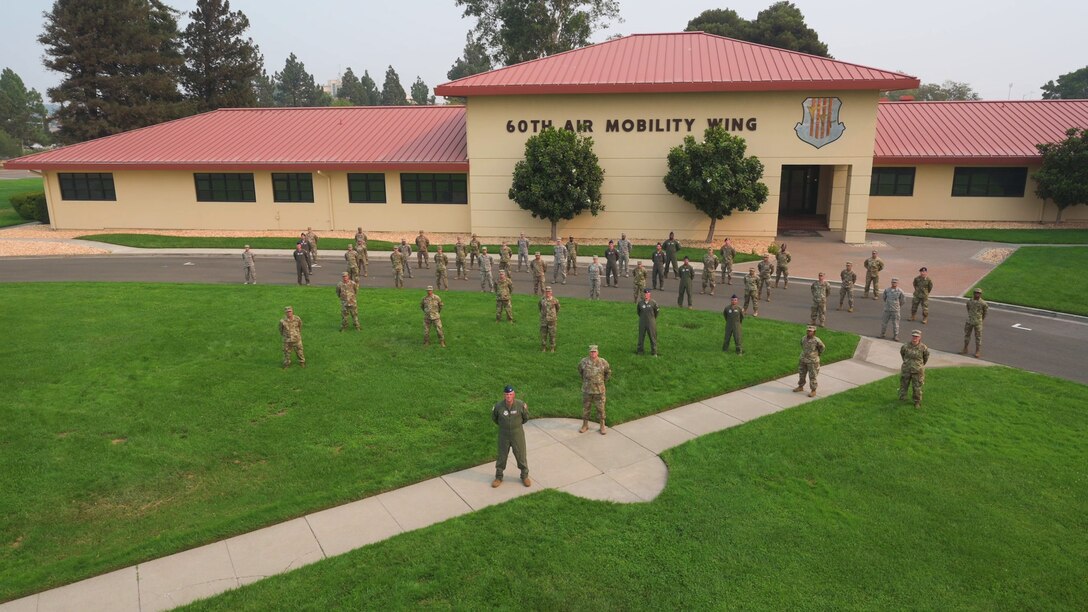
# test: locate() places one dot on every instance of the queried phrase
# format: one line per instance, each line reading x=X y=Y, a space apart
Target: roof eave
x=625 y=88
x=962 y=160
x=382 y=166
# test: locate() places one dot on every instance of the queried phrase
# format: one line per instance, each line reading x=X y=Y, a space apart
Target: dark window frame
x=434 y=188
x=362 y=184
x=989 y=181
x=893 y=182
x=293 y=187
x=224 y=187
x=87 y=186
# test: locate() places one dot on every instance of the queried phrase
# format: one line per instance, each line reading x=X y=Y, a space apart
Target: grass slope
x=1027 y=278
x=10 y=187
x=855 y=501
x=1015 y=236
x=143 y=419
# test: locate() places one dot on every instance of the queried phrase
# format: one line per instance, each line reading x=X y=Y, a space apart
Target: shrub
x=31 y=206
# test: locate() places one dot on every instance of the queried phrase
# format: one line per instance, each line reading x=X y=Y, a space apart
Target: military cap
x=895 y=280
x=344 y=274
x=978 y=290
x=247 y=246
x=874 y=251
x=548 y=288
x=811 y=328
x=645 y=290
x=916 y=332
x=430 y=287
x=483 y=248
x=923 y=269
x=766 y=255
x=849 y=263
x=508 y=389
x=286 y=308
x=537 y=253
x=734 y=297
x=593 y=348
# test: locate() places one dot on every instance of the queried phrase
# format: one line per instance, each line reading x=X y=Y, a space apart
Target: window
x=892 y=182
x=87 y=186
x=225 y=188
x=295 y=187
x=366 y=188
x=434 y=188
x=989 y=182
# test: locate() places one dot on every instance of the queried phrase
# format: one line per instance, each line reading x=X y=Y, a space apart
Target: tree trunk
x=1058 y=219
x=555 y=230
x=710 y=234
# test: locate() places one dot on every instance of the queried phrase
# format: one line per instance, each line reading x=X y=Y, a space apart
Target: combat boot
x=812 y=393
x=964 y=351
x=442 y=344
x=851 y=309
x=585 y=426
x=978 y=354
x=925 y=320
x=604 y=430
x=496 y=483
x=799 y=389
x=527 y=481
x=918 y=404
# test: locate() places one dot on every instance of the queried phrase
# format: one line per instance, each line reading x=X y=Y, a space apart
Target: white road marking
x=1018 y=326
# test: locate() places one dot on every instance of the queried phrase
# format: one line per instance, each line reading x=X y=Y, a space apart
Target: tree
x=373 y=96
x=22 y=113
x=392 y=91
x=559 y=178
x=294 y=86
x=780 y=25
x=220 y=65
x=120 y=60
x=514 y=31
x=264 y=90
x=421 y=94
x=932 y=92
x=1063 y=178
x=351 y=89
x=474 y=60
x=9 y=147
x=715 y=175
x=1070 y=86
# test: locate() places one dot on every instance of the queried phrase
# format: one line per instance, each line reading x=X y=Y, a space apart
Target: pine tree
x=120 y=60
x=351 y=89
x=392 y=91
x=421 y=94
x=264 y=90
x=220 y=65
x=373 y=96
x=22 y=113
x=295 y=86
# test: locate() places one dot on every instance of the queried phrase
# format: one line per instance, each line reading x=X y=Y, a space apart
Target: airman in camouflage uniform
x=894 y=300
x=250 y=266
x=976 y=314
x=623 y=245
x=846 y=289
x=821 y=291
x=686 y=276
x=558 y=263
x=399 y=264
x=639 y=278
x=660 y=266
x=347 y=290
x=431 y=305
x=549 y=320
x=766 y=270
x=441 y=261
x=503 y=288
x=406 y=251
x=915 y=357
x=351 y=256
x=539 y=270
x=422 y=254
x=510 y=415
x=504 y=258
x=594 y=271
x=487 y=285
x=923 y=286
x=291 y=332
x=361 y=250
x=872 y=266
x=309 y=255
x=710 y=264
x=572 y=256
x=782 y=271
x=809 y=364
x=734 y=319
x=751 y=292
x=671 y=247
x=523 y=251
x=728 y=254
x=360 y=237
x=460 y=256
x=311 y=238
x=473 y=250
x=595 y=372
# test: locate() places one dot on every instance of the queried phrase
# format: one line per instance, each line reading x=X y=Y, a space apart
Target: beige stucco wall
x=932 y=200
x=634 y=196
x=167 y=200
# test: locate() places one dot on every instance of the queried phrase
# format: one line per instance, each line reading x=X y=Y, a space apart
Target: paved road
x=1031 y=342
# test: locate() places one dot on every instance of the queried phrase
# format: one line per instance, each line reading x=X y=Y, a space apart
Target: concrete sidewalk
x=622 y=466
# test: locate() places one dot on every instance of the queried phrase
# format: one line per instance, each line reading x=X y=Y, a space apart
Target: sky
x=1003 y=49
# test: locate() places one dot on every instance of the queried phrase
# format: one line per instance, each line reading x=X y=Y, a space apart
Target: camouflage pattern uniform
x=431 y=305
x=976 y=314
x=352 y=257
x=523 y=252
x=474 y=247
x=612 y=267
x=291 y=332
x=504 y=258
x=647 y=310
x=399 y=263
x=660 y=266
x=486 y=283
x=361 y=251
x=595 y=373
x=539 y=270
x=894 y=300
x=766 y=270
x=422 y=253
x=503 y=288
x=734 y=319
x=511 y=436
x=549 y=321
x=710 y=264
x=872 y=266
x=821 y=290
x=671 y=247
x=728 y=254
x=782 y=271
x=250 y=266
x=311 y=238
x=809 y=364
x=302 y=264
x=623 y=245
x=559 y=262
x=572 y=256
x=923 y=286
x=751 y=291
x=460 y=256
x=441 y=278
x=347 y=290
x=913 y=372
x=639 y=279
x=846 y=290
x=686 y=276
x=406 y=251
x=594 y=271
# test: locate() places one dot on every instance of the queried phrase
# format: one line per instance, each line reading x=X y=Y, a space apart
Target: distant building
x=331 y=87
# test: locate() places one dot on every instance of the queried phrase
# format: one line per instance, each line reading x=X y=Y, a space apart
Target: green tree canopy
x=421 y=94
x=373 y=96
x=9 y=147
x=119 y=60
x=1063 y=178
x=351 y=89
x=296 y=87
x=474 y=60
x=715 y=176
x=780 y=25
x=514 y=31
x=22 y=113
x=933 y=92
x=559 y=178
x=1070 y=86
x=220 y=65
x=264 y=89
x=392 y=91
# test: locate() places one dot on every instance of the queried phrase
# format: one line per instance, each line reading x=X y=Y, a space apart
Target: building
x=834 y=155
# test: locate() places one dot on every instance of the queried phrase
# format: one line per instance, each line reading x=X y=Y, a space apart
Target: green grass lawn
x=10 y=187
x=1016 y=236
x=1027 y=278
x=144 y=419
x=156 y=241
x=855 y=501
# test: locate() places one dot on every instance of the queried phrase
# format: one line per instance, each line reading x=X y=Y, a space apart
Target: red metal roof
x=373 y=138
x=1004 y=132
x=678 y=62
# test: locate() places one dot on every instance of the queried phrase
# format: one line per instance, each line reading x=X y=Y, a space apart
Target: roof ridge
x=893 y=102
x=295 y=108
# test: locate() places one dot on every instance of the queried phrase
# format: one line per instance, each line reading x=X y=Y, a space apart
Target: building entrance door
x=799 y=195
